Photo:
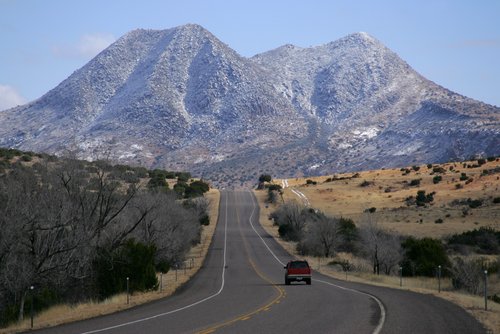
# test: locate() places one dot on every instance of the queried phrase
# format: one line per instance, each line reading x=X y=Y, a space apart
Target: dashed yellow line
x=249 y=315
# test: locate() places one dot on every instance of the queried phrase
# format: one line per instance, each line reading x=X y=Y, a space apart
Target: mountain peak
x=181 y=99
x=191 y=28
x=362 y=35
x=359 y=39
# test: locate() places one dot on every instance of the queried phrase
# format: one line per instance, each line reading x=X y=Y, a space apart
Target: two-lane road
x=240 y=290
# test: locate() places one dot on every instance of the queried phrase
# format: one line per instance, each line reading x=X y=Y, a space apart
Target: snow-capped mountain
x=181 y=99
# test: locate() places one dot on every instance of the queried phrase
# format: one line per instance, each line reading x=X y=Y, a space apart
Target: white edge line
x=260 y=237
x=380 y=305
x=184 y=307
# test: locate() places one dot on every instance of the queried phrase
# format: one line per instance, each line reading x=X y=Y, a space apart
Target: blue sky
x=453 y=43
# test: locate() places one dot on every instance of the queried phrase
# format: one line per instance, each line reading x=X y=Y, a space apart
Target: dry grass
x=171 y=281
x=472 y=304
x=388 y=190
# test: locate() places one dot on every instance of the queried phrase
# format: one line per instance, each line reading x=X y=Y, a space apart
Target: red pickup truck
x=298 y=271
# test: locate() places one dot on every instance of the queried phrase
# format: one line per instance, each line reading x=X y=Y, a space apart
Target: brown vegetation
x=387 y=190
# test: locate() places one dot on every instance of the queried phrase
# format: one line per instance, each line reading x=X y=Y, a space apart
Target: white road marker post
x=128 y=296
x=439 y=279
x=400 y=276
x=32 y=288
x=486 y=290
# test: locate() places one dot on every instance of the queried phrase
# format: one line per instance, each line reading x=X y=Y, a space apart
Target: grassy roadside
x=472 y=304
x=170 y=282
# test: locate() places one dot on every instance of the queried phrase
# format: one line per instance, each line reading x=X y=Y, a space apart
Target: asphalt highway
x=240 y=289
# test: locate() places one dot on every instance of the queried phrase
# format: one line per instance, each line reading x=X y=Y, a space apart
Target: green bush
x=205 y=220
x=274 y=187
x=9 y=153
x=415 y=183
x=141 y=172
x=476 y=203
x=157 y=173
x=8 y=315
x=200 y=186
x=438 y=169
x=195 y=189
x=272 y=192
x=265 y=178
x=436 y=179
x=180 y=188
x=484 y=240
x=286 y=232
x=158 y=182
x=405 y=171
x=42 y=299
x=26 y=158
x=422 y=198
x=183 y=176
x=365 y=183
x=130 y=177
x=423 y=256
x=349 y=234
x=170 y=175
x=162 y=267
x=134 y=260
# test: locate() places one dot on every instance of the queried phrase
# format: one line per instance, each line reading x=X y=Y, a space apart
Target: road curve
x=240 y=289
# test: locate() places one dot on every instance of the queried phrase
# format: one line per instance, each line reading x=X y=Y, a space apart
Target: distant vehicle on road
x=298 y=271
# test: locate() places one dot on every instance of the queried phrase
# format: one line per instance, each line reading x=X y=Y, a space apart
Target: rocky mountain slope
x=182 y=99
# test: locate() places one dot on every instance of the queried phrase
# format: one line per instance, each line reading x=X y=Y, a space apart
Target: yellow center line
x=266 y=307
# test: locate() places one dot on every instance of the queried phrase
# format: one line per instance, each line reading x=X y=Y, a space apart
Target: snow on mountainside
x=182 y=99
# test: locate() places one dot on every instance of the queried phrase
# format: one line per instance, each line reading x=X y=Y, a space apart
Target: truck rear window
x=299 y=265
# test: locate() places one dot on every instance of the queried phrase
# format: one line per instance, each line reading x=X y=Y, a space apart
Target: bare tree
x=290 y=219
x=321 y=236
x=468 y=274
x=57 y=219
x=171 y=227
x=60 y=215
x=381 y=247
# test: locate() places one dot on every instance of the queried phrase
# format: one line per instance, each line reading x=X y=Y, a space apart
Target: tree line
x=317 y=234
x=75 y=230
